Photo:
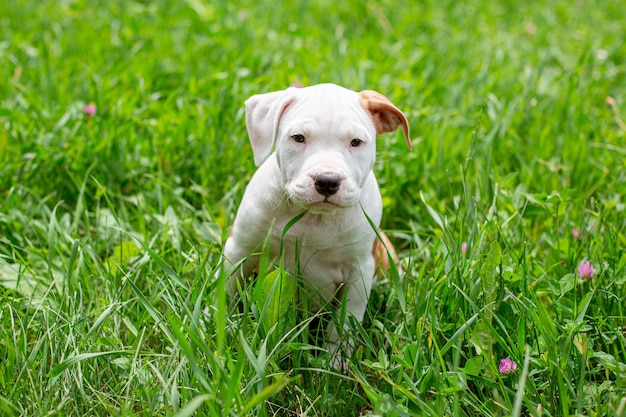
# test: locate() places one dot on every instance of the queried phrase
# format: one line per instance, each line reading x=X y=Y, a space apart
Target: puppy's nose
x=327 y=183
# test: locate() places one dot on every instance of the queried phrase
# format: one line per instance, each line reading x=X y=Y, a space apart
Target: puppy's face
x=325 y=140
x=325 y=148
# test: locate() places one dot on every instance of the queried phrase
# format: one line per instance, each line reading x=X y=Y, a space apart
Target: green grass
x=111 y=226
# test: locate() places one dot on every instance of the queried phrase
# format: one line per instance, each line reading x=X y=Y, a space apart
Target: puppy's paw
x=338 y=359
x=339 y=363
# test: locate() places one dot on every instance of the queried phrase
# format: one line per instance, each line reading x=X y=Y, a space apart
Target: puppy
x=315 y=148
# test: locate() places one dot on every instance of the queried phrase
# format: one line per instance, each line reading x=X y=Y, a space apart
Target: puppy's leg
x=235 y=269
x=356 y=294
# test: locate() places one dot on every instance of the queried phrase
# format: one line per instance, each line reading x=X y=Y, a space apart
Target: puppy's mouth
x=324 y=193
x=327 y=201
x=321 y=206
x=324 y=206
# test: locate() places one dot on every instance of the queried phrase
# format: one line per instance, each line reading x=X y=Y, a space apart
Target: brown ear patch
x=384 y=114
x=381 y=260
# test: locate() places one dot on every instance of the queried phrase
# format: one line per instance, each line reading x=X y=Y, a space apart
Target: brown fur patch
x=385 y=116
x=381 y=260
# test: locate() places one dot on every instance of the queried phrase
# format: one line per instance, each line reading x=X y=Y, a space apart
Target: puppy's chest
x=324 y=248
x=315 y=233
x=323 y=263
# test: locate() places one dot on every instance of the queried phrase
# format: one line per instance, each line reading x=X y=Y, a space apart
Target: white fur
x=334 y=239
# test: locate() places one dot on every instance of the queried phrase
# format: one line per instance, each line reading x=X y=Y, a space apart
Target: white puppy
x=315 y=148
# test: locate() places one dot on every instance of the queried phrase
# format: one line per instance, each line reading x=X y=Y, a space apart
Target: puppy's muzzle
x=327 y=183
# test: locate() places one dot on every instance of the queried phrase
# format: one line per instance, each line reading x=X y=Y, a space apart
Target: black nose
x=327 y=183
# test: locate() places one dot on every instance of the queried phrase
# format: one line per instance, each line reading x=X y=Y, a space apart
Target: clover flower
x=585 y=270
x=507 y=366
x=89 y=109
x=464 y=247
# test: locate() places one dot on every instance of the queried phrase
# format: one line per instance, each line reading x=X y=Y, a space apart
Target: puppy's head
x=324 y=137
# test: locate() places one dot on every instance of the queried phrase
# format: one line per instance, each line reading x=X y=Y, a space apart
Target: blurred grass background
x=111 y=225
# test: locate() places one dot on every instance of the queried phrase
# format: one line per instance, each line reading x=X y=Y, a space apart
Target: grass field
x=112 y=223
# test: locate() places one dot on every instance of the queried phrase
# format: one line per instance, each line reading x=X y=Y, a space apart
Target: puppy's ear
x=263 y=113
x=385 y=116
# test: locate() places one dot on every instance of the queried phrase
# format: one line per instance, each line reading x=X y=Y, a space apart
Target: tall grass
x=111 y=225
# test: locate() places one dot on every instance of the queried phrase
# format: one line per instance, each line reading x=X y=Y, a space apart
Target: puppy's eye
x=356 y=142
x=298 y=138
